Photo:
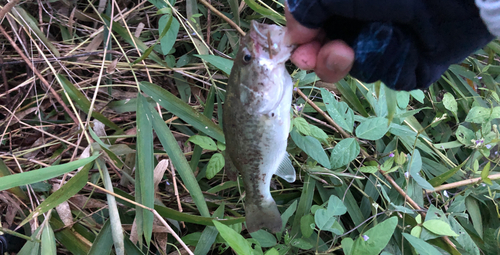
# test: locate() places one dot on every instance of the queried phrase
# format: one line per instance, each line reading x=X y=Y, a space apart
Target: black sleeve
x=405 y=44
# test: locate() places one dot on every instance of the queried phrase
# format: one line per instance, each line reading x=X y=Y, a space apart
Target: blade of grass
x=175 y=153
x=4 y=171
x=71 y=239
x=68 y=190
x=183 y=111
x=144 y=173
x=103 y=243
x=48 y=241
x=43 y=174
x=305 y=204
x=209 y=234
x=209 y=108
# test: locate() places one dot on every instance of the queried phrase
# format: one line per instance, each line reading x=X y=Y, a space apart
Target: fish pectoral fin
x=286 y=170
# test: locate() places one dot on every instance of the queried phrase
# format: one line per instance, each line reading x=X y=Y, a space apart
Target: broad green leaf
x=464 y=239
x=403 y=98
x=324 y=220
x=450 y=103
x=339 y=111
x=368 y=169
x=215 y=164
x=301 y=243
x=301 y=125
x=318 y=133
x=414 y=168
x=311 y=147
x=48 y=241
x=203 y=141
x=344 y=152
x=233 y=239
x=475 y=214
x=183 y=111
x=439 y=227
x=168 y=41
x=221 y=63
x=484 y=174
x=465 y=135
x=347 y=245
x=335 y=206
x=418 y=95
x=372 y=129
x=400 y=130
x=375 y=239
x=43 y=174
x=70 y=237
x=305 y=225
x=264 y=238
x=421 y=246
x=478 y=114
x=272 y=251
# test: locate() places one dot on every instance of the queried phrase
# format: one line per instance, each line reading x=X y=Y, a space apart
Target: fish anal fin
x=286 y=170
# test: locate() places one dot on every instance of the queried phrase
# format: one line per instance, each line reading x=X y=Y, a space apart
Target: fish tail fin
x=263 y=216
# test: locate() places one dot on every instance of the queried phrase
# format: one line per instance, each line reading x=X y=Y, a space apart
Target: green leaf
x=183 y=111
x=465 y=135
x=335 y=206
x=69 y=189
x=301 y=125
x=478 y=114
x=414 y=168
x=82 y=102
x=368 y=169
x=301 y=244
x=276 y=17
x=264 y=238
x=42 y=174
x=318 y=133
x=287 y=214
x=418 y=95
x=221 y=63
x=48 y=241
x=145 y=167
x=347 y=245
x=484 y=174
x=272 y=251
x=372 y=129
x=311 y=147
x=324 y=220
x=421 y=246
x=305 y=225
x=440 y=179
x=175 y=153
x=339 y=111
x=203 y=141
x=344 y=152
x=375 y=239
x=439 y=227
x=475 y=214
x=168 y=41
x=233 y=239
x=103 y=243
x=215 y=164
x=450 y=103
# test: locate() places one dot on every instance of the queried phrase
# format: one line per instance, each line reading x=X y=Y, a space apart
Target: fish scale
x=256 y=121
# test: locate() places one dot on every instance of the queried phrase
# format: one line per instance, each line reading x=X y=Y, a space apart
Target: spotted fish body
x=257 y=120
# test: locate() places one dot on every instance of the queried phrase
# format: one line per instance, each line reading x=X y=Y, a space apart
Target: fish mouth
x=270 y=39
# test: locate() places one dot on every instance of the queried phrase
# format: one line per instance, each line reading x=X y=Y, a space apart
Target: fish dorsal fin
x=286 y=170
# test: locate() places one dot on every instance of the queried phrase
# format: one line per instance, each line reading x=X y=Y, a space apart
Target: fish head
x=262 y=73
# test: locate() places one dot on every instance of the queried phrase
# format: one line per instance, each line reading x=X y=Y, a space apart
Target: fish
x=256 y=121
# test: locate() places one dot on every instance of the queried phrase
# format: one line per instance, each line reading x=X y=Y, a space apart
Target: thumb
x=296 y=33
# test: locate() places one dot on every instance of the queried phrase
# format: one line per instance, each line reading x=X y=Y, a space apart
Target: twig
x=149 y=209
x=58 y=58
x=222 y=16
x=462 y=183
x=413 y=204
x=176 y=192
x=40 y=76
x=7 y=8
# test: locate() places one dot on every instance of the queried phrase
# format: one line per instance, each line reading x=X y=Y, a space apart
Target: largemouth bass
x=257 y=121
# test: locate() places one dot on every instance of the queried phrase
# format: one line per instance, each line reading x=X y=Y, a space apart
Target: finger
x=296 y=33
x=305 y=56
x=334 y=61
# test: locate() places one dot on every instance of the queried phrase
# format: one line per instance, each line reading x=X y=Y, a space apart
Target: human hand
x=331 y=60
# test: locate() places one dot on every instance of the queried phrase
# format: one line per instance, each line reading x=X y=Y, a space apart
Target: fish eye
x=247 y=58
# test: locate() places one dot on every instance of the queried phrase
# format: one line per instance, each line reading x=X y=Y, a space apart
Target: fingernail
x=336 y=62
